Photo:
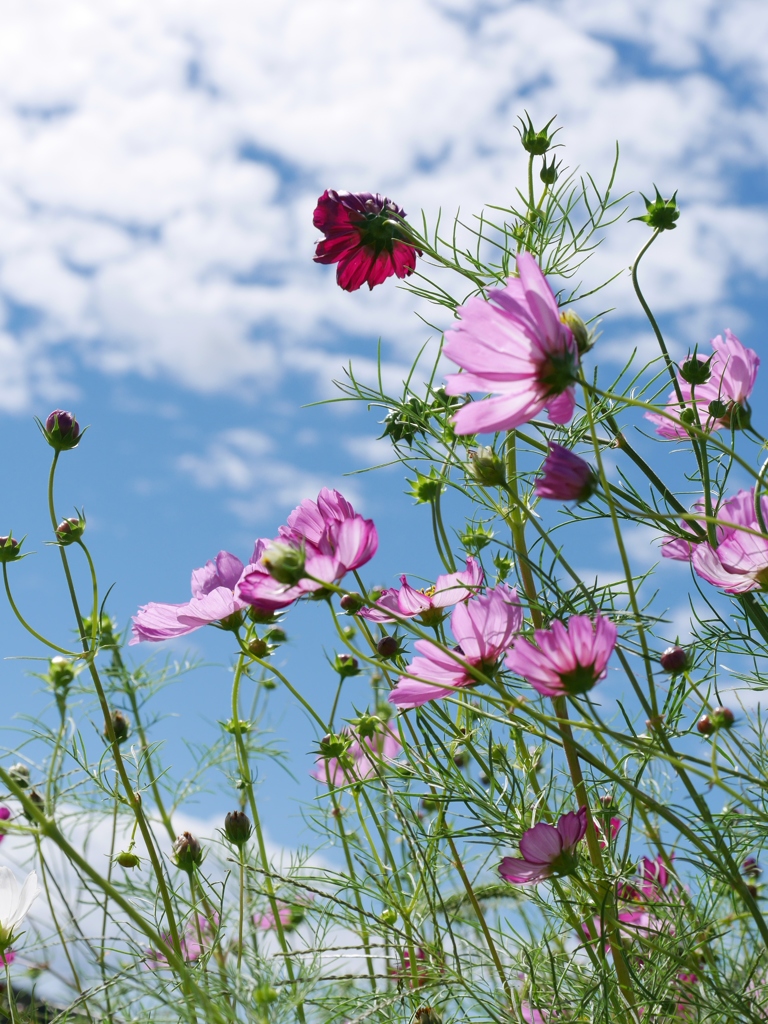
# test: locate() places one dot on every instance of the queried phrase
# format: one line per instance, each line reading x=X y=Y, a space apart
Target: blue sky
x=159 y=165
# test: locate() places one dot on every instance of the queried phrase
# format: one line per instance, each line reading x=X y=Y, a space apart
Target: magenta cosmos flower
x=483 y=628
x=334 y=540
x=428 y=604
x=213 y=599
x=5 y=815
x=547 y=850
x=566 y=477
x=515 y=346
x=363 y=756
x=733 y=372
x=365 y=236
x=565 y=659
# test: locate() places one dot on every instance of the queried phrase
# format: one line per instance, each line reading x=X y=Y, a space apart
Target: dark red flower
x=363 y=237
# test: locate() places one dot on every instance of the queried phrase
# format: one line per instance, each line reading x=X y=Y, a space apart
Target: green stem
x=652 y=320
x=25 y=624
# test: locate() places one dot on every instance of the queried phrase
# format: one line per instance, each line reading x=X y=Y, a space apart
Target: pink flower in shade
x=406 y=974
x=5 y=815
x=213 y=599
x=567 y=477
x=428 y=604
x=191 y=947
x=290 y=915
x=565 y=659
x=734 y=512
x=365 y=236
x=483 y=627
x=733 y=372
x=7 y=957
x=547 y=850
x=335 y=540
x=515 y=346
x=615 y=825
x=363 y=756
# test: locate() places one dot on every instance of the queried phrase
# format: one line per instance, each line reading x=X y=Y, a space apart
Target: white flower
x=14 y=902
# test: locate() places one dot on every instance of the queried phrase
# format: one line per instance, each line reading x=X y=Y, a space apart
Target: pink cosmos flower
x=290 y=915
x=364 y=235
x=406 y=974
x=515 y=346
x=334 y=539
x=7 y=957
x=547 y=850
x=363 y=755
x=615 y=825
x=5 y=814
x=533 y=1016
x=734 y=512
x=565 y=659
x=191 y=948
x=427 y=604
x=213 y=599
x=567 y=477
x=483 y=628
x=733 y=372
x=740 y=561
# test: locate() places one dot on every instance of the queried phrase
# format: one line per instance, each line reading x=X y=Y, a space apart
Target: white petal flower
x=14 y=902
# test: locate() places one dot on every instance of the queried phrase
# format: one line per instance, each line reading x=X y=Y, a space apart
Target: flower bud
x=584 y=338
x=346 y=665
x=426 y=1015
x=264 y=994
x=717 y=409
x=751 y=868
x=486 y=467
x=237 y=827
x=426 y=488
x=284 y=562
x=565 y=476
x=19 y=773
x=352 y=603
x=660 y=213
x=722 y=718
x=121 y=726
x=674 y=660
x=258 y=648
x=10 y=549
x=688 y=416
x=187 y=852
x=60 y=672
x=335 y=745
x=61 y=430
x=276 y=635
x=127 y=859
x=70 y=530
x=388 y=646
x=536 y=143
x=705 y=726
x=549 y=172
x=366 y=725
x=606 y=800
x=696 y=370
x=388 y=916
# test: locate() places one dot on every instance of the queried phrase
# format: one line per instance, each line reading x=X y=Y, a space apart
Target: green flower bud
x=284 y=563
x=695 y=370
x=717 y=409
x=366 y=725
x=10 y=549
x=264 y=994
x=535 y=142
x=19 y=773
x=346 y=665
x=688 y=416
x=336 y=745
x=388 y=916
x=121 y=725
x=722 y=718
x=660 y=213
x=60 y=672
x=585 y=338
x=426 y=1015
x=70 y=530
x=127 y=859
x=486 y=467
x=258 y=648
x=475 y=538
x=549 y=173
x=238 y=827
x=187 y=852
x=426 y=488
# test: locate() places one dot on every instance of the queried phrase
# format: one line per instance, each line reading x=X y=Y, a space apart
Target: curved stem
x=25 y=624
x=652 y=319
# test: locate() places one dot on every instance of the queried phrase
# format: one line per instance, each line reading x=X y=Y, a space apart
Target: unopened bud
x=37 y=800
x=346 y=665
x=388 y=646
x=60 y=672
x=121 y=726
x=187 y=851
x=19 y=773
x=367 y=725
x=352 y=603
x=10 y=549
x=426 y=1015
x=549 y=172
x=486 y=467
x=127 y=859
x=284 y=562
x=237 y=827
x=674 y=660
x=583 y=337
x=606 y=800
x=751 y=868
x=688 y=416
x=70 y=530
x=705 y=726
x=660 y=214
x=335 y=745
x=388 y=916
x=696 y=370
x=61 y=430
x=258 y=648
x=722 y=718
x=535 y=142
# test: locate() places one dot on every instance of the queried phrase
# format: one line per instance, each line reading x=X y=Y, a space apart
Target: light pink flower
x=733 y=373
x=566 y=477
x=615 y=825
x=406 y=973
x=335 y=540
x=734 y=512
x=191 y=949
x=406 y=602
x=547 y=850
x=5 y=815
x=565 y=659
x=483 y=628
x=740 y=561
x=533 y=1016
x=364 y=755
x=290 y=915
x=213 y=599
x=515 y=346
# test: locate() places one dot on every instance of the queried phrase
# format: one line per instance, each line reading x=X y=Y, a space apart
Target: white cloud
x=159 y=165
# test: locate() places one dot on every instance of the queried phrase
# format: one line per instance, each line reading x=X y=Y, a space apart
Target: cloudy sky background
x=159 y=164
